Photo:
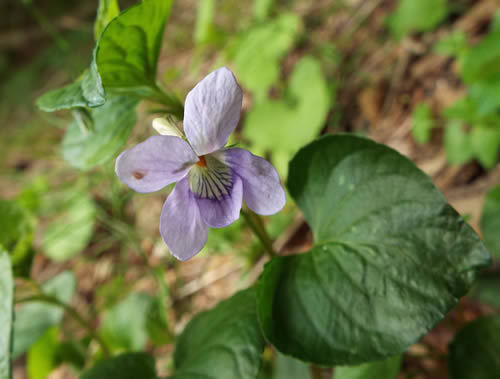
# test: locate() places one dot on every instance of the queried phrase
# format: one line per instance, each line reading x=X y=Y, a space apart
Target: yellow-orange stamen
x=202 y=162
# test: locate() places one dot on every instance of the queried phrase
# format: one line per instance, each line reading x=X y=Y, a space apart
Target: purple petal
x=181 y=225
x=262 y=188
x=155 y=163
x=221 y=212
x=212 y=111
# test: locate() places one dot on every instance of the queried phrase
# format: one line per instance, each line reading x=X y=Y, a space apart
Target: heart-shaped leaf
x=128 y=65
x=475 y=351
x=223 y=343
x=113 y=123
x=390 y=256
x=6 y=311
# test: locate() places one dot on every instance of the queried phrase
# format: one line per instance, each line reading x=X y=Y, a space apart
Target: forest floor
x=380 y=82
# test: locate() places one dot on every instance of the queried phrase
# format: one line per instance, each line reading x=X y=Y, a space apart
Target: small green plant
x=472 y=123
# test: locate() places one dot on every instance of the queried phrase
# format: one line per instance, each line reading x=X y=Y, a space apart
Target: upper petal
x=262 y=188
x=212 y=111
x=155 y=163
x=181 y=225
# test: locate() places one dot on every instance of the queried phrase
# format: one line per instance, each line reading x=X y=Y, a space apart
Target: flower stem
x=169 y=100
x=255 y=223
x=73 y=313
x=124 y=230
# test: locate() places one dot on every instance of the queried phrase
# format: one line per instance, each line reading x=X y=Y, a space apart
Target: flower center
x=210 y=178
x=202 y=162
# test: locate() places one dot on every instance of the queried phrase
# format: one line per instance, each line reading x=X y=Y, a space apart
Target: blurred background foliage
x=421 y=76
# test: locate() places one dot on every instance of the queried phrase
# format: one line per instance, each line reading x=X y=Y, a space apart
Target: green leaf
x=474 y=352
x=490 y=221
x=35 y=318
x=42 y=356
x=386 y=369
x=6 y=311
x=390 y=256
x=223 y=343
x=70 y=232
x=128 y=65
x=17 y=227
x=286 y=367
x=284 y=125
x=457 y=143
x=87 y=91
x=261 y=49
x=485 y=143
x=262 y=8
x=92 y=86
x=422 y=123
x=480 y=63
x=108 y=10
x=454 y=44
x=125 y=325
x=125 y=366
x=416 y=16
x=69 y=96
x=113 y=123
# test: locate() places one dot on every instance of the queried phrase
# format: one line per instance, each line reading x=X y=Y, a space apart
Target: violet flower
x=212 y=180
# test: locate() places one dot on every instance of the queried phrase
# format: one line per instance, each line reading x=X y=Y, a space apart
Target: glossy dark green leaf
x=113 y=123
x=222 y=343
x=129 y=64
x=107 y=10
x=71 y=230
x=490 y=221
x=386 y=369
x=125 y=366
x=6 y=312
x=475 y=352
x=390 y=256
x=33 y=319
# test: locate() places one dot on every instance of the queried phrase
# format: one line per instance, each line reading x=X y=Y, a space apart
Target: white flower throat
x=210 y=178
